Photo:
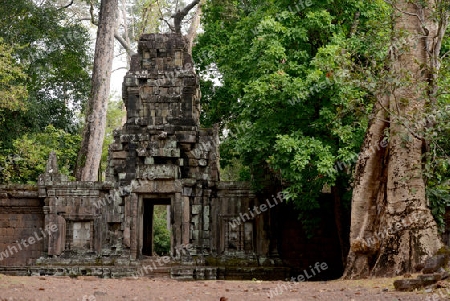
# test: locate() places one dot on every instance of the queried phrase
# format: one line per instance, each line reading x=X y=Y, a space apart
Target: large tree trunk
x=195 y=23
x=179 y=15
x=90 y=153
x=392 y=228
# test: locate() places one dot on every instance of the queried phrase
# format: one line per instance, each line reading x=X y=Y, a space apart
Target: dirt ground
x=95 y=289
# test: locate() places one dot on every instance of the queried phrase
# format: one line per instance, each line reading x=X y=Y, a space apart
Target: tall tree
x=89 y=157
x=392 y=228
x=193 y=28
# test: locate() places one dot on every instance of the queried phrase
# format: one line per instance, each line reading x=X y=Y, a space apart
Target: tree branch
x=117 y=36
x=179 y=15
x=124 y=43
x=68 y=5
x=354 y=24
x=168 y=24
x=91 y=12
x=162 y=17
x=192 y=33
x=435 y=59
x=126 y=36
x=120 y=68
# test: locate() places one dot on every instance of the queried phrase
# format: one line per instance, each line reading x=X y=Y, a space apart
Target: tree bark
x=89 y=157
x=179 y=15
x=195 y=23
x=125 y=40
x=392 y=229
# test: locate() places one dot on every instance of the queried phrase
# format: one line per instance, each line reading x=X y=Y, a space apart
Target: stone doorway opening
x=156 y=227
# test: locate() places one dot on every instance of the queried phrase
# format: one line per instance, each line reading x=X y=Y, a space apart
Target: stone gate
x=161 y=156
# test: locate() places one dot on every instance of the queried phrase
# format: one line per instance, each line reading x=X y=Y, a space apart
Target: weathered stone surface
x=408 y=284
x=52 y=164
x=428 y=279
x=432 y=274
x=21 y=218
x=163 y=171
x=433 y=264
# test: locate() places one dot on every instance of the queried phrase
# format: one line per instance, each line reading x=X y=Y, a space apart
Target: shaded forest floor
x=95 y=289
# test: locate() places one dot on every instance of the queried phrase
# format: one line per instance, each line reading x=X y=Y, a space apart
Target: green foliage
x=439 y=198
x=437 y=163
x=146 y=16
x=12 y=89
x=52 y=52
x=302 y=81
x=29 y=155
x=436 y=133
x=235 y=171
x=161 y=234
x=114 y=117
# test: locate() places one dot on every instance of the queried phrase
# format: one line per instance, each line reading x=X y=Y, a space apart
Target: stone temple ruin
x=161 y=156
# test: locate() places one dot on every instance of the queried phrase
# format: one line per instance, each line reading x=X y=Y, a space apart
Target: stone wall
x=21 y=225
x=85 y=215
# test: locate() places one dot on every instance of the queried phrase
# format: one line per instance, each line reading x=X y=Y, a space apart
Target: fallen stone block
x=428 y=279
x=408 y=285
x=433 y=264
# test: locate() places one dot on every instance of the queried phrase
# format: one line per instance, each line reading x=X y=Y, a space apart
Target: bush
x=28 y=157
x=161 y=233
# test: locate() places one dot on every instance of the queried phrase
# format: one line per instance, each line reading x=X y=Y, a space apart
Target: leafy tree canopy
x=52 y=53
x=29 y=155
x=297 y=87
x=12 y=90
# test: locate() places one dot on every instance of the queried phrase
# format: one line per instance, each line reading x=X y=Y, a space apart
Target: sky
x=117 y=77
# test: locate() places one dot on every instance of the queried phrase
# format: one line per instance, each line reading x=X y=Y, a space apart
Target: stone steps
x=250 y=273
x=14 y=271
x=154 y=267
x=147 y=268
x=193 y=273
x=75 y=271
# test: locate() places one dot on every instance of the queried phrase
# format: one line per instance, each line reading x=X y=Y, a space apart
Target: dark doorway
x=149 y=224
x=299 y=250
